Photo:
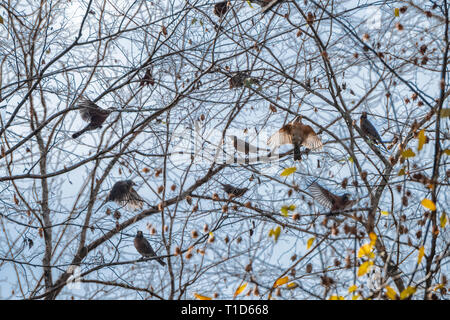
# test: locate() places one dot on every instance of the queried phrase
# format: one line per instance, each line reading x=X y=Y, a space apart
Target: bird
x=241 y=78
x=333 y=202
x=297 y=134
x=266 y=4
x=123 y=194
x=147 y=79
x=144 y=248
x=369 y=130
x=92 y=113
x=233 y=191
x=221 y=8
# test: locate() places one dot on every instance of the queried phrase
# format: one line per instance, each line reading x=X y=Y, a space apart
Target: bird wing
x=310 y=139
x=134 y=201
x=280 y=137
x=321 y=195
x=370 y=130
x=86 y=109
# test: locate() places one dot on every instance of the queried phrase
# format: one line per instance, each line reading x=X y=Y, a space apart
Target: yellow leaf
x=422 y=138
x=248 y=1
x=443 y=220
x=285 y=210
x=408 y=292
x=447 y=152
x=200 y=297
x=408 y=153
x=445 y=112
x=428 y=204
x=350 y=159
x=275 y=233
x=365 y=250
x=397 y=12
x=401 y=172
x=1 y=20
x=439 y=287
x=240 y=289
x=281 y=281
x=310 y=242
x=421 y=254
x=373 y=238
x=391 y=293
x=355 y=297
x=364 y=268
x=385 y=213
x=292 y=285
x=334 y=297
x=288 y=171
x=352 y=288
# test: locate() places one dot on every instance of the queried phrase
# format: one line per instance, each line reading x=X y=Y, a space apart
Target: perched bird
x=123 y=194
x=297 y=134
x=93 y=114
x=221 y=8
x=144 y=248
x=369 y=130
x=329 y=200
x=241 y=78
x=234 y=191
x=147 y=79
x=265 y=4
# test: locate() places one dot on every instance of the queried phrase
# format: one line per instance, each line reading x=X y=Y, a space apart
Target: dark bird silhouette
x=221 y=8
x=123 y=194
x=147 y=79
x=93 y=114
x=144 y=248
x=329 y=200
x=297 y=134
x=234 y=191
x=369 y=130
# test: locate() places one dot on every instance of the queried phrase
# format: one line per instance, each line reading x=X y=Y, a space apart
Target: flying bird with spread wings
x=144 y=248
x=92 y=113
x=123 y=194
x=329 y=200
x=298 y=134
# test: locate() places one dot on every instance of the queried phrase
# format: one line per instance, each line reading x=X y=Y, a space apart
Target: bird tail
x=161 y=262
x=79 y=133
x=297 y=153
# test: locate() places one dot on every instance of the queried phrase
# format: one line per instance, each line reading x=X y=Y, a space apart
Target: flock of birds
x=295 y=133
